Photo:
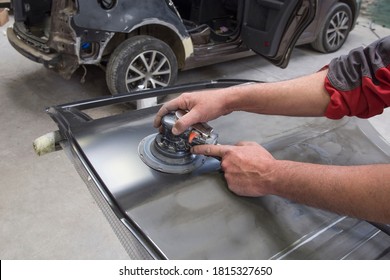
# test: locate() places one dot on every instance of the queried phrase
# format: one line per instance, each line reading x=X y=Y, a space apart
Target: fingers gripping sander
x=171 y=153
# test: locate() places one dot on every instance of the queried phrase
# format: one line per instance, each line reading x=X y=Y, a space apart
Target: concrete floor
x=46 y=212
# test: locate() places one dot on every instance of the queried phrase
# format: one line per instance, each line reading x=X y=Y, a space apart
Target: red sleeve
x=359 y=83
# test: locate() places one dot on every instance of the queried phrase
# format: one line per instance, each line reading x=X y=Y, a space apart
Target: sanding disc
x=165 y=162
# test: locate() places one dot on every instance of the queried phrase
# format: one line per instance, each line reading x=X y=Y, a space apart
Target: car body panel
x=138 y=12
x=195 y=216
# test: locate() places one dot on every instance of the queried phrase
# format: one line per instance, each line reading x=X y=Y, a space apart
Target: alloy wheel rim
x=149 y=69
x=337 y=29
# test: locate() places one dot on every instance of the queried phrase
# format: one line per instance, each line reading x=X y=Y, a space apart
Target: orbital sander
x=171 y=153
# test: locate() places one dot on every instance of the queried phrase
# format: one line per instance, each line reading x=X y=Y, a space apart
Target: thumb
x=184 y=122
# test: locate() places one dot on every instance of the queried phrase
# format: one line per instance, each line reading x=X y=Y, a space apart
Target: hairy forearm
x=358 y=191
x=305 y=96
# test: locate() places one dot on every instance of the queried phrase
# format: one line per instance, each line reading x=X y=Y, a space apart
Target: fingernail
x=174 y=131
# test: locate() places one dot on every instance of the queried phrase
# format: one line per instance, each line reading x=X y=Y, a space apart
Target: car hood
x=195 y=216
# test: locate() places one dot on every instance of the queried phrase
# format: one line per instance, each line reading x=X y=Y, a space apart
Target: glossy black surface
x=195 y=216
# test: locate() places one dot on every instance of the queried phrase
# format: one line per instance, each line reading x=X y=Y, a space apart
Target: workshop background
x=46 y=211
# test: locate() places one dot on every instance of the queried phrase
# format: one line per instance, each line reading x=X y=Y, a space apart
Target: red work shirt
x=359 y=83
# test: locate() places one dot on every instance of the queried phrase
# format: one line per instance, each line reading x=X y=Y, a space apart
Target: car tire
x=335 y=31
x=141 y=62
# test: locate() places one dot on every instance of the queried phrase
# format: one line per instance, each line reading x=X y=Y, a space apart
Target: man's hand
x=202 y=106
x=248 y=167
x=305 y=96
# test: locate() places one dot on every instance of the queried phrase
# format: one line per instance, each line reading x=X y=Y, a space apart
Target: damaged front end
x=44 y=31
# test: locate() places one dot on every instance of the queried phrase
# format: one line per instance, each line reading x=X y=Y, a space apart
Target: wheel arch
x=350 y=3
x=354 y=9
x=181 y=45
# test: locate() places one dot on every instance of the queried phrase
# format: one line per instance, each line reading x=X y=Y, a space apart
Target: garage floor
x=46 y=212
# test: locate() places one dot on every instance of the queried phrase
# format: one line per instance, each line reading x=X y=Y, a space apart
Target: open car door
x=272 y=27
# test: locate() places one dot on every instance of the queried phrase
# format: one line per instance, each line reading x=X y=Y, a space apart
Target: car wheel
x=141 y=62
x=335 y=31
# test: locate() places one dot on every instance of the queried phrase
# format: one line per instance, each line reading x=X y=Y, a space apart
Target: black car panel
x=195 y=216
